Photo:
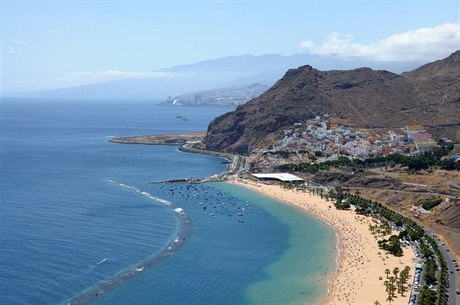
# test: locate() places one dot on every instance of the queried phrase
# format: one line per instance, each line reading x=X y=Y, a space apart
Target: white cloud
x=424 y=44
x=11 y=50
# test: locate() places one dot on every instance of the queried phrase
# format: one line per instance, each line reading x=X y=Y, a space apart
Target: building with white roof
x=284 y=177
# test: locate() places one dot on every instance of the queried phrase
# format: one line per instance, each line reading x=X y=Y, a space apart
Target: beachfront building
x=282 y=177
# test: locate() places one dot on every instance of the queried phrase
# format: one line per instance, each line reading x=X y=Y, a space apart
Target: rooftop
x=285 y=177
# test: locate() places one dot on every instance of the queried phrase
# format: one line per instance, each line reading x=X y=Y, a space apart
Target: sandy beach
x=360 y=273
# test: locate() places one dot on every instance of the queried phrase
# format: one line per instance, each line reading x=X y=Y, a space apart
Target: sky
x=52 y=44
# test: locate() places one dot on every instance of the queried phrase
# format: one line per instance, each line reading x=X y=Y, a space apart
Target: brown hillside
x=429 y=95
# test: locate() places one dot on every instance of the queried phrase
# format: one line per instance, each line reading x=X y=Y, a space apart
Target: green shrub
x=429 y=204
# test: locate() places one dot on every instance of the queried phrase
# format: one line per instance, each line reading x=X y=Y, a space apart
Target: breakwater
x=188 y=148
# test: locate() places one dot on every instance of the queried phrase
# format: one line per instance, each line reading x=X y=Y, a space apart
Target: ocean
x=86 y=221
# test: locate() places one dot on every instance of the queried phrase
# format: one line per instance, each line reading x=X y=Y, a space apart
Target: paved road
x=454 y=299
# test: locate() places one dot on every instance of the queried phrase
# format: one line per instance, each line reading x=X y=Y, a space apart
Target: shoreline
x=188 y=148
x=338 y=260
x=330 y=287
x=359 y=262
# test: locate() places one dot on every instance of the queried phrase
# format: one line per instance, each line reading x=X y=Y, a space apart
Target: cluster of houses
x=417 y=135
x=317 y=140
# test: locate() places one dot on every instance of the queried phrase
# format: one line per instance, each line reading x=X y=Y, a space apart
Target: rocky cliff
x=429 y=95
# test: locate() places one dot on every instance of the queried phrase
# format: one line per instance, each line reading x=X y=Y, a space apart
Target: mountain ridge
x=218 y=73
x=362 y=97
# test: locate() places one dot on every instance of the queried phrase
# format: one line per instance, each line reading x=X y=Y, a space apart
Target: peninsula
x=163 y=139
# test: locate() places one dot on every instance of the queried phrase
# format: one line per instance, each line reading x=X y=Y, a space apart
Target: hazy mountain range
x=233 y=71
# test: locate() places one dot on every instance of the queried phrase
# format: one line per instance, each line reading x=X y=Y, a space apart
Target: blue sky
x=48 y=44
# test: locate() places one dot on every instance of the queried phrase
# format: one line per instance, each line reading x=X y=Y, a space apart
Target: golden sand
x=360 y=274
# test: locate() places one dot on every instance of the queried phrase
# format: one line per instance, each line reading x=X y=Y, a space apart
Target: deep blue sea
x=83 y=220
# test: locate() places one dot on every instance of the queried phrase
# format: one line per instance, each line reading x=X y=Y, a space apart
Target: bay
x=65 y=227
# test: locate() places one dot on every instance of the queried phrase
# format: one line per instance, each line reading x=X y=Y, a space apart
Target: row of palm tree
x=396 y=283
x=381 y=227
x=439 y=297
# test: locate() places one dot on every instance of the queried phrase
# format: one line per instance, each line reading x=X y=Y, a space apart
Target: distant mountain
x=429 y=95
x=231 y=96
x=242 y=70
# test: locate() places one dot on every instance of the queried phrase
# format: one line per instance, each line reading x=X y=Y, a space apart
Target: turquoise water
x=304 y=266
x=66 y=227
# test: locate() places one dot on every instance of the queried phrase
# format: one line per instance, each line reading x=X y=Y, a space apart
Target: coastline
x=188 y=148
x=184 y=141
x=359 y=262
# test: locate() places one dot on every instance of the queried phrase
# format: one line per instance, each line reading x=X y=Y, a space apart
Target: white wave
x=143 y=193
x=102 y=261
x=179 y=210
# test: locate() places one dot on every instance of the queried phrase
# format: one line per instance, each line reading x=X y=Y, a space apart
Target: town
x=318 y=140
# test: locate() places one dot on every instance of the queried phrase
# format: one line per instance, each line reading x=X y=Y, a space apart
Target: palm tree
x=403 y=275
x=387 y=272
x=372 y=229
x=392 y=289
x=399 y=285
x=407 y=269
x=396 y=272
x=403 y=289
x=392 y=279
x=377 y=303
